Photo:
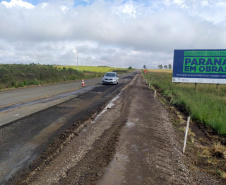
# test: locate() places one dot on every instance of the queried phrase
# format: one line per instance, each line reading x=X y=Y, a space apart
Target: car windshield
x=110 y=74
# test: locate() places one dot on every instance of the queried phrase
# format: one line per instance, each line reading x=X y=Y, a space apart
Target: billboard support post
x=217 y=89
x=195 y=86
x=217 y=86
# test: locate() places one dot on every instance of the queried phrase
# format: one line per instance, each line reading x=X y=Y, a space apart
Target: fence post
x=186 y=134
x=217 y=89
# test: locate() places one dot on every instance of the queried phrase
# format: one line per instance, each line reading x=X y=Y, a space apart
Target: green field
x=206 y=104
x=99 y=69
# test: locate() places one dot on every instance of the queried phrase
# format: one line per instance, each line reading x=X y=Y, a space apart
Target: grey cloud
x=103 y=34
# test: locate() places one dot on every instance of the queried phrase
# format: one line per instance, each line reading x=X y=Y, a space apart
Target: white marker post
x=186 y=134
x=155 y=94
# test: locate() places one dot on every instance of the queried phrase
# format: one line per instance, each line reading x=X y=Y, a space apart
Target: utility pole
x=77 y=60
x=75 y=51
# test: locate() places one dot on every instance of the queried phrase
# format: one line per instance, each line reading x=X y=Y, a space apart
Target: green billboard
x=200 y=66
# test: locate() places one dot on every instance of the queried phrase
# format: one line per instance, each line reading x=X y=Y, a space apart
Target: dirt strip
x=149 y=151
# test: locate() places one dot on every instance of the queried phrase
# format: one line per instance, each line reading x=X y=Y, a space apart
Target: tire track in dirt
x=148 y=151
x=164 y=157
x=90 y=168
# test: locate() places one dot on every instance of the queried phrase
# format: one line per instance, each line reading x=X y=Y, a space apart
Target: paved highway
x=17 y=103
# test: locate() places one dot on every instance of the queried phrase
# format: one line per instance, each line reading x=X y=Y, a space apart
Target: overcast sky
x=119 y=33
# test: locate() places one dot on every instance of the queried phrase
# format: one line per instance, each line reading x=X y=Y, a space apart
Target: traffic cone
x=83 y=83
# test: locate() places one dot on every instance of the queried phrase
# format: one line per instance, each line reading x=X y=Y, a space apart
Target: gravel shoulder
x=132 y=141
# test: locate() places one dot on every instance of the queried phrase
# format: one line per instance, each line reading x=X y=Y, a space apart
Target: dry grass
x=219 y=150
x=204 y=151
x=221 y=173
x=224 y=175
x=161 y=70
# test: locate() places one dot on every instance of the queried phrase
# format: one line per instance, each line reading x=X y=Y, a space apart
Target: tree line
x=161 y=66
x=165 y=66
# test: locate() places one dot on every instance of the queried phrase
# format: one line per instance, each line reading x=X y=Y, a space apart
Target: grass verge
x=205 y=149
x=206 y=104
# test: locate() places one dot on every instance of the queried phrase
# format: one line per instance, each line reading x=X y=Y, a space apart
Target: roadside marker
x=186 y=134
x=155 y=94
x=83 y=83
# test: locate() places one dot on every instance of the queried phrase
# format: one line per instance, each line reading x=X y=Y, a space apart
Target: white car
x=110 y=78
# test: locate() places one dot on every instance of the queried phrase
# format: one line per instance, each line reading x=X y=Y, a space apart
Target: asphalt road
x=32 y=119
x=18 y=103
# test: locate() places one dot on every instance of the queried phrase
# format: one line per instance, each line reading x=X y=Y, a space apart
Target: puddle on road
x=114 y=172
x=130 y=123
x=108 y=106
x=111 y=104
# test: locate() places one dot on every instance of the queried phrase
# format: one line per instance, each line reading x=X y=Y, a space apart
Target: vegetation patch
x=22 y=75
x=206 y=104
x=206 y=145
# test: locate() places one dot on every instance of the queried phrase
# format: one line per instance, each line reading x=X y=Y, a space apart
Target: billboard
x=199 y=66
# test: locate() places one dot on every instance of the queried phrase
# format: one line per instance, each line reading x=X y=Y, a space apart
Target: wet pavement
x=26 y=142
